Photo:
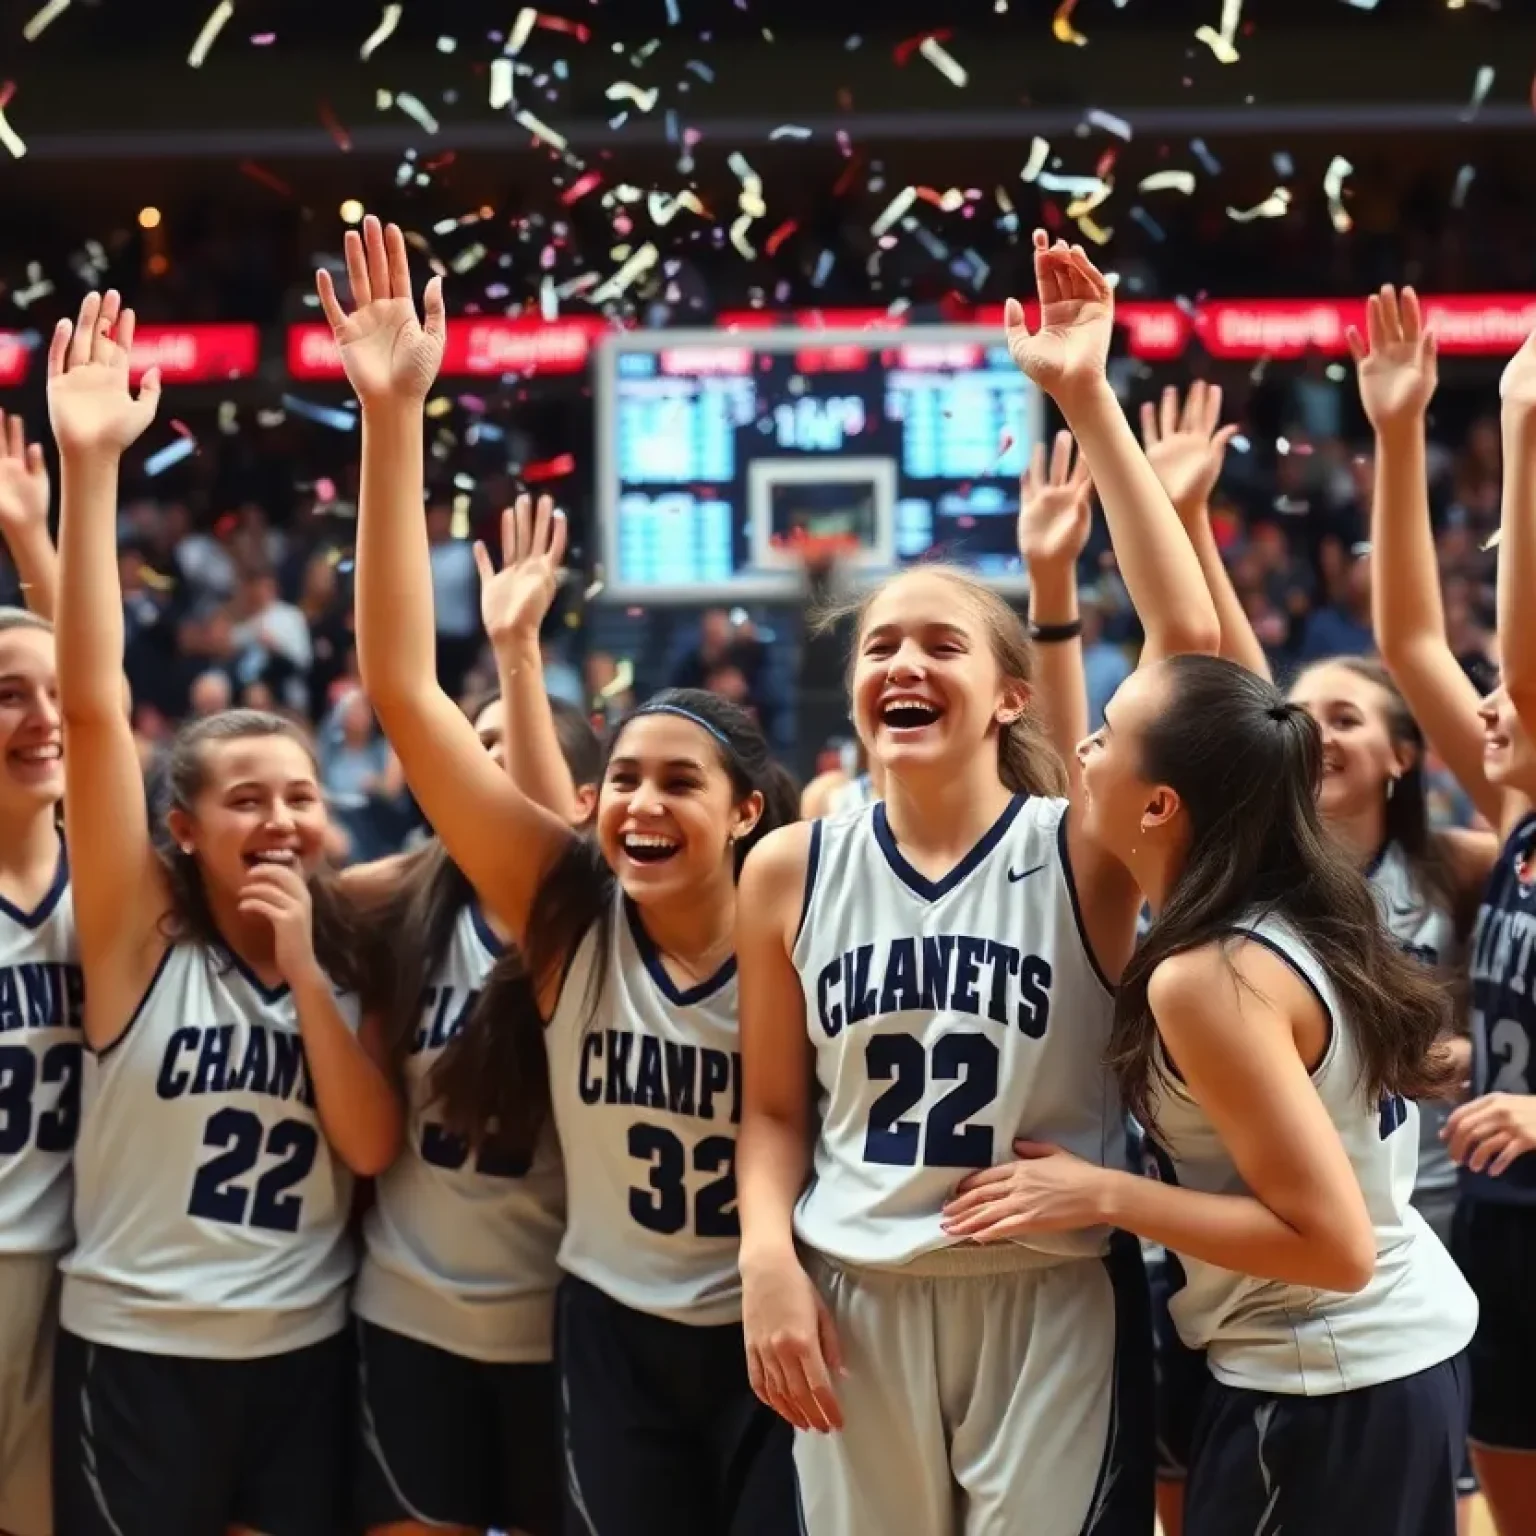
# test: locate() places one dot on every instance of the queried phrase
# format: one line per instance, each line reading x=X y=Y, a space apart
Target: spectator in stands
x=1343 y=628
x=210 y=693
x=730 y=653
x=455 y=597
x=270 y=640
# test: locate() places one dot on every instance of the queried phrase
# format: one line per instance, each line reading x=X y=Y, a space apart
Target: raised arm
x=1517 y=536
x=24 y=517
x=1067 y=358
x=1186 y=452
x=502 y=841
x=119 y=891
x=1398 y=374
x=791 y=1347
x=1055 y=514
x=513 y=604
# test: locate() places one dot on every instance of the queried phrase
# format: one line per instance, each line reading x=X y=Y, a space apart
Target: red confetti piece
x=448 y=156
x=780 y=235
x=332 y=125
x=905 y=50
x=182 y=428
x=1106 y=163
x=556 y=468
x=7 y=91
x=579 y=30
x=846 y=180
x=265 y=177
x=579 y=189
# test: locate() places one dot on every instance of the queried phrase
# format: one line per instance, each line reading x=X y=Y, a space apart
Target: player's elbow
x=1349 y=1259
x=1193 y=634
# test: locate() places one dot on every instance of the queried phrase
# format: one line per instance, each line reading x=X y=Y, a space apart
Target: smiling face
x=668 y=809
x=259 y=802
x=1508 y=758
x=927 y=690
x=31 y=737
x=1360 y=757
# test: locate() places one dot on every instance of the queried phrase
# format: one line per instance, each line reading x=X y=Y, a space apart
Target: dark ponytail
x=1246 y=766
x=492 y=1081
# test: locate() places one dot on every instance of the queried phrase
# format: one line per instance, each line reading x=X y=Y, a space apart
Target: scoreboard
x=716 y=450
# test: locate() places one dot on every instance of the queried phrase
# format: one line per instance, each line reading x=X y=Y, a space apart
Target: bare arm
x=1398 y=374
x=1227 y=1021
x=501 y=840
x=359 y=1109
x=1517 y=536
x=24 y=517
x=119 y=892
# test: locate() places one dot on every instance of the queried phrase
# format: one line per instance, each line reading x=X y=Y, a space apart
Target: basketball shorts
x=144 y=1445
x=978 y=1379
x=662 y=1433
x=1380 y=1461
x=29 y=1321
x=1495 y=1245
x=1181 y=1377
x=450 y=1441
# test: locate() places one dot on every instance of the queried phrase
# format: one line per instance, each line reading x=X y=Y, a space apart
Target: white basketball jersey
x=647 y=1099
x=210 y=1214
x=1424 y=929
x=1414 y=1312
x=858 y=792
x=950 y=1017
x=41 y=997
x=459 y=1247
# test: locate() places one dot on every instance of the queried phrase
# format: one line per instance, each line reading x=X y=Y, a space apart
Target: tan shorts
x=29 y=1317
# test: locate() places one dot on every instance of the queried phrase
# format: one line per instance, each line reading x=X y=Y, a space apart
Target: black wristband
x=1052 y=634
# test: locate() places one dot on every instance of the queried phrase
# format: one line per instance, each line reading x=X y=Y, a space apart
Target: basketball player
x=1372 y=798
x=628 y=941
x=202 y=1379
x=1267 y=1031
x=942 y=964
x=1488 y=747
x=455 y=1293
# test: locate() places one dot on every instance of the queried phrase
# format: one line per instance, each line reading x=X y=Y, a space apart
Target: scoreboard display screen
x=718 y=451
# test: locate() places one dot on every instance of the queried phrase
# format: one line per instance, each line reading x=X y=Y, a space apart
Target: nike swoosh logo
x=1015 y=875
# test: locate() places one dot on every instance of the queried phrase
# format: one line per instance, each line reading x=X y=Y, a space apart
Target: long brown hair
x=1027 y=763
x=1246 y=765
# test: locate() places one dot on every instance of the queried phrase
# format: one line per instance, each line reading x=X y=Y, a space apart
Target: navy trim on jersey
x=1077 y=906
x=263 y=991
x=44 y=909
x=133 y=1018
x=1275 y=949
x=919 y=884
x=1370 y=869
x=484 y=932
x=812 y=863
x=678 y=997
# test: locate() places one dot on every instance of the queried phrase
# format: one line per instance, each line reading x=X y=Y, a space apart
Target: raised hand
x=515 y=599
x=89 y=402
x=281 y=896
x=387 y=352
x=1055 y=505
x=1517 y=388
x=23 y=479
x=1187 y=450
x=1070 y=351
x=1398 y=370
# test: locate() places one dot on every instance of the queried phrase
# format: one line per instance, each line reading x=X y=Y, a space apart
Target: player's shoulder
x=779 y=862
x=1194 y=980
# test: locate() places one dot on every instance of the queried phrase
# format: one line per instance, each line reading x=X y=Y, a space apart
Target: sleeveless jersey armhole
x=1076 y=900
x=812 y=862
x=1298 y=969
x=138 y=1012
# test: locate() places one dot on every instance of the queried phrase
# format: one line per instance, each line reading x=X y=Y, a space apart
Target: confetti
x=1284 y=166
x=43 y=19
x=1208 y=162
x=1220 y=43
x=173 y=453
x=1109 y=123
x=1333 y=190
x=897 y=207
x=577 y=29
x=382 y=33
x=550 y=469
x=579 y=189
x=416 y=110
x=1139 y=215
x=1481 y=85
x=211 y=29
x=1463 y=186
x=10 y=138
x=1061 y=25
x=1094 y=232
x=261 y=174
x=1168 y=181
x=664 y=209
x=1073 y=186
x=943 y=61
x=332 y=125
x=637 y=265
x=522 y=30
x=323 y=415
x=790 y=131
x=904 y=50
x=1039 y=153
x=541 y=130
x=1275 y=206
x=623 y=90
x=623 y=678
x=501 y=84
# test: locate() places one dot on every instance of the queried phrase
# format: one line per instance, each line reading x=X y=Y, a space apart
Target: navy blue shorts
x=663 y=1434
x=454 y=1442
x=1380 y=1461
x=1181 y=1379
x=1495 y=1245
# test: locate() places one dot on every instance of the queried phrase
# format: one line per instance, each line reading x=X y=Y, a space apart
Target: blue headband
x=687 y=714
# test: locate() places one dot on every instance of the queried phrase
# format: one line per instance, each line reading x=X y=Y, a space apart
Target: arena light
x=149 y=218
x=351 y=211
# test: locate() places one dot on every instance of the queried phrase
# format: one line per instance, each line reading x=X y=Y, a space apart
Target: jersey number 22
x=943 y=1139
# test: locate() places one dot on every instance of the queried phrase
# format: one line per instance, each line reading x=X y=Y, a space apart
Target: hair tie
x=1281 y=712
x=687 y=714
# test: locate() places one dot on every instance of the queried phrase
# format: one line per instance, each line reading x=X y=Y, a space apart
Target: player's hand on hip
x=792 y=1348
x=1488 y=1134
x=1047 y=1190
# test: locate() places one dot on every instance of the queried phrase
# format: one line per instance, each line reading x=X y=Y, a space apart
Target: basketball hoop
x=816 y=551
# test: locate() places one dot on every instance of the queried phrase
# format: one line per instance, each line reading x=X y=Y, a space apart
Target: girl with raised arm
x=455 y=1295
x=1487 y=744
x=203 y=1379
x=628 y=942
x=922 y=983
x=40 y=1002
